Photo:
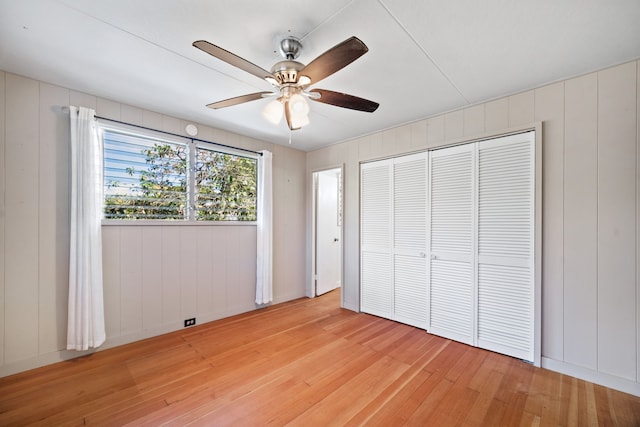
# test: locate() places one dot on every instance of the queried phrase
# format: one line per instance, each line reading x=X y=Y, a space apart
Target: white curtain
x=85 y=326
x=264 y=286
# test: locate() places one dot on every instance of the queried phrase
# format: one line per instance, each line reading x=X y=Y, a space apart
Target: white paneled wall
x=591 y=211
x=157 y=276
x=154 y=276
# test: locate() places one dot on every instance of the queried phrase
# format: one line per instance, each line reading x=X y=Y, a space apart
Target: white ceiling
x=425 y=56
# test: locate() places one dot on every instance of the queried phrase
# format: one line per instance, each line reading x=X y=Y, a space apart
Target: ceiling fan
x=292 y=79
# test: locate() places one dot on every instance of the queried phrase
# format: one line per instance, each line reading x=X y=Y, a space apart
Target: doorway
x=327 y=230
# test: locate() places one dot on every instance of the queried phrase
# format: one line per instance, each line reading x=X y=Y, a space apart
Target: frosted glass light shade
x=299 y=120
x=298 y=105
x=273 y=111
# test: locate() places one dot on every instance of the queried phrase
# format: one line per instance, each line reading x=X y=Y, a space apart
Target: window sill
x=146 y=222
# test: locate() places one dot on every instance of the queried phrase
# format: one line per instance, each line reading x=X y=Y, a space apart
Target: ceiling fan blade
x=334 y=59
x=287 y=114
x=232 y=59
x=238 y=100
x=344 y=100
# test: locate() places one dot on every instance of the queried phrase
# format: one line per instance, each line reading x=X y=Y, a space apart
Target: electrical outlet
x=189 y=322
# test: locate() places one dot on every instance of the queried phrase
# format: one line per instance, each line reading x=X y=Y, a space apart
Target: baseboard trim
x=607 y=380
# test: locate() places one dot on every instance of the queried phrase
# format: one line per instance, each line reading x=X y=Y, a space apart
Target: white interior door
x=328 y=231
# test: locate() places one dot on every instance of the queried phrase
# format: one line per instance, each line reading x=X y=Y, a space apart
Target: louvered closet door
x=451 y=245
x=410 y=239
x=506 y=199
x=376 y=265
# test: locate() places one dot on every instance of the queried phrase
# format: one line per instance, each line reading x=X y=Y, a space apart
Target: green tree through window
x=149 y=179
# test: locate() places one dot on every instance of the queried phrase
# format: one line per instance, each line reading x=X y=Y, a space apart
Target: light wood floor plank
x=305 y=363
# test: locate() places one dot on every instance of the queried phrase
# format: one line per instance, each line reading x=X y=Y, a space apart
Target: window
x=152 y=179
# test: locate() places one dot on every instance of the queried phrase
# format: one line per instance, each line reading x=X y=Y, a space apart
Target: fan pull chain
x=289 y=136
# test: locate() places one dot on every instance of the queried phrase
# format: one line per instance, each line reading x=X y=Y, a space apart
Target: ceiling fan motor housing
x=286 y=72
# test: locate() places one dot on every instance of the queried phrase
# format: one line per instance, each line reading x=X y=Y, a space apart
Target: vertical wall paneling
x=496 y=115
x=131 y=279
x=220 y=278
x=108 y=108
x=3 y=182
x=580 y=222
x=131 y=114
x=205 y=272
x=402 y=142
x=233 y=270
x=151 y=277
x=374 y=145
x=435 y=131
x=111 y=279
x=392 y=142
x=549 y=109
x=350 y=230
x=474 y=120
x=289 y=197
x=171 y=272
x=246 y=261
x=453 y=125
x=53 y=237
x=80 y=99
x=152 y=119
x=188 y=265
x=171 y=124
x=521 y=109
x=418 y=134
x=21 y=213
x=637 y=220
x=617 y=221
x=242 y=290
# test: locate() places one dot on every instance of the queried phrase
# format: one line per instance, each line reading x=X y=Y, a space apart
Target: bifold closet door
x=482 y=244
x=452 y=243
x=393 y=239
x=506 y=271
x=410 y=239
x=376 y=262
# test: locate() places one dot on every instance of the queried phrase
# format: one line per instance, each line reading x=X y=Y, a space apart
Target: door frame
x=314 y=197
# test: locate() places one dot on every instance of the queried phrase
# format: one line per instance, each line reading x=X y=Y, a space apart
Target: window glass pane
x=144 y=178
x=225 y=186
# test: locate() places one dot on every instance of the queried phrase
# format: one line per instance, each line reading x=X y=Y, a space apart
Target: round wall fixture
x=191 y=129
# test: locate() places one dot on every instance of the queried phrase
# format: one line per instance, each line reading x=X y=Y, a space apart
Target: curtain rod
x=178 y=135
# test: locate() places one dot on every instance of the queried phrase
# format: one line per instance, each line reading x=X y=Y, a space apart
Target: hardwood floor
x=305 y=363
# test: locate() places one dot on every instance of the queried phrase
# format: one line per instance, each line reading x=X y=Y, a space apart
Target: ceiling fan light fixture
x=298 y=105
x=291 y=79
x=273 y=111
x=299 y=120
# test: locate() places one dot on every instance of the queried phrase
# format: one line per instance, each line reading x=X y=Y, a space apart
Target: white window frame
x=192 y=145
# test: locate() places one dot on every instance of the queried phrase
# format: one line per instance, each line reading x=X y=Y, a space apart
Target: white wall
x=154 y=276
x=591 y=211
